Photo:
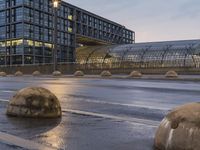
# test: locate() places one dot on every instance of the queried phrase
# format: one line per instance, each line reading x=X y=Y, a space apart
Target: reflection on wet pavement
x=97 y=114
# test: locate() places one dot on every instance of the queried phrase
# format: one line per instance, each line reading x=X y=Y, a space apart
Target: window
x=2 y=17
x=3 y=32
x=2 y=4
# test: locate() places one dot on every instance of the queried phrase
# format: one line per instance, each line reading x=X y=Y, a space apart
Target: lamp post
x=55 y=10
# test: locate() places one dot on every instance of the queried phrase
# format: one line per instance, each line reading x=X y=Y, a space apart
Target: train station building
x=27 y=30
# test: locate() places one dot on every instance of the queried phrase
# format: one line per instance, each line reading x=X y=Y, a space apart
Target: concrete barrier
x=36 y=73
x=34 y=102
x=3 y=74
x=179 y=130
x=18 y=73
x=171 y=74
x=57 y=73
x=106 y=73
x=79 y=74
x=135 y=74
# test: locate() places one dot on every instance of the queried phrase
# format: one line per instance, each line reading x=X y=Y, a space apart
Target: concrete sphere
x=135 y=74
x=18 y=73
x=3 y=74
x=57 y=73
x=179 y=130
x=79 y=74
x=106 y=73
x=171 y=74
x=34 y=102
x=36 y=73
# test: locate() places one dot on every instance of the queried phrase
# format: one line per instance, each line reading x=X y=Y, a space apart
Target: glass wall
x=141 y=55
x=27 y=29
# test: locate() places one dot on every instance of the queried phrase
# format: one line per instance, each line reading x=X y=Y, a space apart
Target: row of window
x=42 y=23
x=35 y=32
x=10 y=3
x=22 y=48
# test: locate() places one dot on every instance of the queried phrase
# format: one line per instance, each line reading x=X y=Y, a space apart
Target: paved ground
x=98 y=114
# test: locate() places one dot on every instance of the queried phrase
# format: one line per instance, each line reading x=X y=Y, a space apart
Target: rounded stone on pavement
x=34 y=102
x=3 y=74
x=106 y=73
x=18 y=73
x=57 y=73
x=171 y=74
x=179 y=130
x=79 y=74
x=36 y=73
x=135 y=74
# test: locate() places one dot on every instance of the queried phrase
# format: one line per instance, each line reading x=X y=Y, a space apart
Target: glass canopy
x=141 y=55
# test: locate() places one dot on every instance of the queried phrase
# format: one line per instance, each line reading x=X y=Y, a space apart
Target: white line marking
x=129 y=119
x=4 y=100
x=7 y=91
x=121 y=104
x=27 y=144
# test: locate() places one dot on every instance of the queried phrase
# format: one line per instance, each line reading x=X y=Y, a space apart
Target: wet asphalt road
x=90 y=108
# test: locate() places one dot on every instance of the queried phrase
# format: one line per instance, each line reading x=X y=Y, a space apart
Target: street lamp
x=55 y=9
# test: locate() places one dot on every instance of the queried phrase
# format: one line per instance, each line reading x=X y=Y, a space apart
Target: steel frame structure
x=142 y=55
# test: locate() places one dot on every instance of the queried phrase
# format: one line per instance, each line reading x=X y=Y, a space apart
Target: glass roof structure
x=142 y=55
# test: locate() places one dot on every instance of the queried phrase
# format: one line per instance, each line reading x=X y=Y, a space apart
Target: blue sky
x=152 y=20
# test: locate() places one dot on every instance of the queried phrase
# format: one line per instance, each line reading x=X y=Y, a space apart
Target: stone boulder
x=57 y=73
x=135 y=74
x=18 y=73
x=171 y=74
x=34 y=102
x=179 y=130
x=106 y=73
x=3 y=74
x=36 y=73
x=79 y=74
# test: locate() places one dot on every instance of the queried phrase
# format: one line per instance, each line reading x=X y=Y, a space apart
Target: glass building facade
x=175 y=54
x=27 y=27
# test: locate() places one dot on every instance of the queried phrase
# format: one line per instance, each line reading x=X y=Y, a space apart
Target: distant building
x=26 y=31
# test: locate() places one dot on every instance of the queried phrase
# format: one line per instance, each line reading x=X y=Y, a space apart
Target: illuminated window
x=29 y=42
x=38 y=44
x=70 y=29
x=2 y=44
x=70 y=17
x=17 y=42
x=48 y=45
x=8 y=43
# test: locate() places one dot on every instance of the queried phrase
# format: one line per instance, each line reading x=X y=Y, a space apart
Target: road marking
x=129 y=119
x=4 y=100
x=7 y=91
x=119 y=118
x=27 y=144
x=123 y=104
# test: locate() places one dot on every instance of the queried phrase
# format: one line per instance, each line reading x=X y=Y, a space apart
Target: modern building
x=27 y=27
x=155 y=55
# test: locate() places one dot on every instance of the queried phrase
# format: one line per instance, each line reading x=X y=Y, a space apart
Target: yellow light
x=55 y=4
x=70 y=29
x=70 y=17
x=8 y=43
x=48 y=45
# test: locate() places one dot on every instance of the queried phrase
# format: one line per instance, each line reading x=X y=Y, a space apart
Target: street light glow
x=55 y=4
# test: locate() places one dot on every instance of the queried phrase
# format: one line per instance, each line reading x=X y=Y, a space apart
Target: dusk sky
x=152 y=20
